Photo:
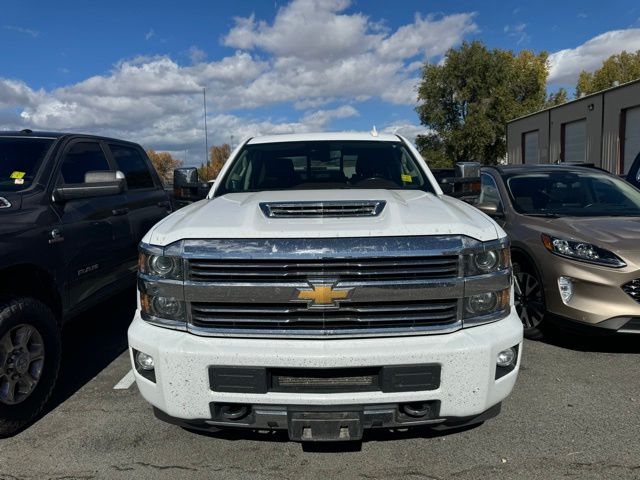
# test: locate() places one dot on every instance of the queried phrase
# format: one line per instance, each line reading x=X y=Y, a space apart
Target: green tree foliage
x=467 y=99
x=620 y=68
x=218 y=155
x=557 y=98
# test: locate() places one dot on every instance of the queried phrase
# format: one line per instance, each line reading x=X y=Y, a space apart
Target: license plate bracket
x=325 y=426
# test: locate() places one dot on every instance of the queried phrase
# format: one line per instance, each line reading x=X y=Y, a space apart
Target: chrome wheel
x=528 y=299
x=21 y=363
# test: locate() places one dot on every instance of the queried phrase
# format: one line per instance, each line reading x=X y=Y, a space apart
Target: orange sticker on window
x=407 y=178
x=17 y=174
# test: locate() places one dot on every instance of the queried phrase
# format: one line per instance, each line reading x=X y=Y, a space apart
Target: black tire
x=529 y=300
x=17 y=315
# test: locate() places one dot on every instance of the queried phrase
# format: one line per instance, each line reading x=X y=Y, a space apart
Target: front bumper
x=598 y=297
x=468 y=385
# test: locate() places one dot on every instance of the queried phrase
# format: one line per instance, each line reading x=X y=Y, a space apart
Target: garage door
x=631 y=137
x=575 y=141
x=531 y=150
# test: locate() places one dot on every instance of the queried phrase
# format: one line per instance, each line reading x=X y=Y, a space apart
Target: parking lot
x=575 y=413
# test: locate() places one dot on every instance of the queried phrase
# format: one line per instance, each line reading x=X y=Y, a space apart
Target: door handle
x=165 y=203
x=119 y=211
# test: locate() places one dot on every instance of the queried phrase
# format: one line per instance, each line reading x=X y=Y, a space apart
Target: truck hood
x=407 y=213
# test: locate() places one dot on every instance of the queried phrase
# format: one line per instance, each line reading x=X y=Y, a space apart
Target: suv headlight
x=581 y=251
x=158 y=265
x=487 y=261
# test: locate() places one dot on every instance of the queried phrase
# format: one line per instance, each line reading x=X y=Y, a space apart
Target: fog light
x=565 y=285
x=507 y=358
x=144 y=361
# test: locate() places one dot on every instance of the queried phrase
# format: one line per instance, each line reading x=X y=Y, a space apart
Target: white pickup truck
x=325 y=286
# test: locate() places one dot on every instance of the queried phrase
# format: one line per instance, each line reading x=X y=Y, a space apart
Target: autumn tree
x=620 y=68
x=164 y=164
x=557 y=98
x=467 y=99
x=218 y=155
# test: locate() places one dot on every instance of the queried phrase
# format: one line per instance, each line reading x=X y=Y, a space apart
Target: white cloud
x=518 y=31
x=318 y=56
x=406 y=128
x=25 y=31
x=566 y=65
x=14 y=93
x=196 y=55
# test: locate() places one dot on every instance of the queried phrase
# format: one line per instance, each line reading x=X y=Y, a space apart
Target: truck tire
x=529 y=300
x=30 y=355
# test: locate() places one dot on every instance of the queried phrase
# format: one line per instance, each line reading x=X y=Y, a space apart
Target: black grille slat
x=633 y=289
x=349 y=316
x=370 y=269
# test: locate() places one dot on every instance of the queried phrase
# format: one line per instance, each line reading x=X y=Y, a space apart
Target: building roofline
x=599 y=92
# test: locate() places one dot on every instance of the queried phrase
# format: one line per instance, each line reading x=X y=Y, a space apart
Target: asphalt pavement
x=575 y=413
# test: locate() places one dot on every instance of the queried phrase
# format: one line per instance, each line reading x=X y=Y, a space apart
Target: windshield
x=576 y=194
x=323 y=164
x=20 y=159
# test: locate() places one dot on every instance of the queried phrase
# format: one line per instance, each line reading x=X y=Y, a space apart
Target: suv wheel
x=29 y=361
x=529 y=300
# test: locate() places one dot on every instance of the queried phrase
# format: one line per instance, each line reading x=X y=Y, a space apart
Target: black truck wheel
x=29 y=361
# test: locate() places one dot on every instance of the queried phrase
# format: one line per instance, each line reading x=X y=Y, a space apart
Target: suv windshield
x=324 y=164
x=576 y=194
x=20 y=159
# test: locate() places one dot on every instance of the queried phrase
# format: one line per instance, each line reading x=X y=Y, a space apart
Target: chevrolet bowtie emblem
x=323 y=295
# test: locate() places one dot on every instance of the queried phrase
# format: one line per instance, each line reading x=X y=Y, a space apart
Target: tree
x=467 y=99
x=620 y=68
x=557 y=98
x=164 y=164
x=218 y=155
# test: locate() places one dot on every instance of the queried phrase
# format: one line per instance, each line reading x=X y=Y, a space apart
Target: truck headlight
x=487 y=261
x=581 y=251
x=163 y=310
x=161 y=266
x=486 y=306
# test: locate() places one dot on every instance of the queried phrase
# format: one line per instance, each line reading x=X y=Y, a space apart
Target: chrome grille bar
x=370 y=269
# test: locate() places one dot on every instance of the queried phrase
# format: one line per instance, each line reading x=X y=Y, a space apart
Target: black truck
x=73 y=209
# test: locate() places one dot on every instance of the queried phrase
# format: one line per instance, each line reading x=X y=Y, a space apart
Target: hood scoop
x=333 y=209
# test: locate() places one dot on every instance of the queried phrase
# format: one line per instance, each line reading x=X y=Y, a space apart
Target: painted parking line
x=126 y=381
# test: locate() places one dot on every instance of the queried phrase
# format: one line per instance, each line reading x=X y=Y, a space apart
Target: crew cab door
x=94 y=233
x=147 y=201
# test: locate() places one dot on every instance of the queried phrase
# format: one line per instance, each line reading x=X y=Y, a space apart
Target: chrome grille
x=633 y=289
x=349 y=316
x=265 y=270
x=357 y=208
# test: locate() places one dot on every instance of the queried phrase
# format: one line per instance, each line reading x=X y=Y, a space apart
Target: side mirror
x=185 y=177
x=491 y=209
x=96 y=184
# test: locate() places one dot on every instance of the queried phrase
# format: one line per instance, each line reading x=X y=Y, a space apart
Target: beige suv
x=575 y=237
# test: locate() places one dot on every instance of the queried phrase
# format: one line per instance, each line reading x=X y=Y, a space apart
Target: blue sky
x=136 y=69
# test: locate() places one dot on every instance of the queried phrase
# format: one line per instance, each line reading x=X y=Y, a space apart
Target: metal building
x=602 y=128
